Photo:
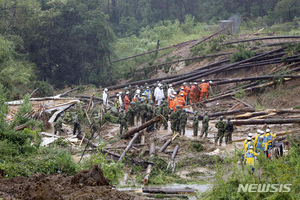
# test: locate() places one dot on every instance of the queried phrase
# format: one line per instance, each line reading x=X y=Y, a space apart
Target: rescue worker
x=258 y=147
x=178 y=112
x=271 y=137
x=157 y=112
x=95 y=123
x=221 y=128
x=143 y=110
x=181 y=101
x=149 y=116
x=130 y=114
x=193 y=93
x=137 y=110
x=165 y=113
x=171 y=103
x=58 y=124
x=265 y=145
x=182 y=91
x=117 y=102
x=121 y=100
x=165 y=88
x=249 y=135
x=183 y=121
x=148 y=94
x=76 y=123
x=105 y=97
x=138 y=91
x=203 y=89
x=175 y=102
x=249 y=142
x=159 y=94
x=228 y=131
x=259 y=133
x=170 y=90
x=250 y=157
x=195 y=123
x=127 y=101
x=173 y=118
x=205 y=121
x=123 y=122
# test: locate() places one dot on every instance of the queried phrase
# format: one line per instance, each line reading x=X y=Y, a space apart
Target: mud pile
x=84 y=185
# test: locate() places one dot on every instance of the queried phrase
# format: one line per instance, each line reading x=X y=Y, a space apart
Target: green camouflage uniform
x=123 y=122
x=157 y=111
x=137 y=110
x=204 y=126
x=58 y=125
x=220 y=125
x=178 y=112
x=76 y=123
x=165 y=113
x=143 y=111
x=130 y=116
x=195 y=125
x=149 y=116
x=183 y=120
x=96 y=123
x=173 y=118
x=228 y=131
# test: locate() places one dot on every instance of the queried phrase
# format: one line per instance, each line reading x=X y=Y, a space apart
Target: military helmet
x=196 y=112
x=122 y=110
x=132 y=103
x=205 y=112
x=228 y=118
x=74 y=113
x=146 y=83
x=171 y=109
x=221 y=117
x=164 y=104
x=177 y=106
x=126 y=88
x=156 y=105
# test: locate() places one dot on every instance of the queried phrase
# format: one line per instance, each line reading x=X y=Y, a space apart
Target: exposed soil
x=84 y=185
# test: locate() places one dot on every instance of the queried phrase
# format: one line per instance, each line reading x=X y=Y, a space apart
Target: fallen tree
x=141 y=127
x=149 y=168
x=265 y=121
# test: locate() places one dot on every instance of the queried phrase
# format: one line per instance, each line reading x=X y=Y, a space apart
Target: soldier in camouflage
x=130 y=114
x=220 y=125
x=58 y=124
x=157 y=112
x=173 y=118
x=183 y=121
x=195 y=123
x=76 y=123
x=165 y=113
x=228 y=131
x=123 y=122
x=205 y=121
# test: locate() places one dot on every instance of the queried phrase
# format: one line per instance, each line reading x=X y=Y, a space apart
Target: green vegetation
x=242 y=54
x=284 y=170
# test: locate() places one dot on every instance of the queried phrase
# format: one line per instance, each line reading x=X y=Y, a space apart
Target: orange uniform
x=175 y=103
x=204 y=87
x=127 y=102
x=171 y=103
x=181 y=102
x=193 y=94
x=184 y=94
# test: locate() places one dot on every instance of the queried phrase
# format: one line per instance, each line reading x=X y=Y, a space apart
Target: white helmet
x=191 y=83
x=182 y=94
x=174 y=93
x=172 y=96
x=210 y=81
x=105 y=89
x=120 y=92
x=118 y=95
x=250 y=147
x=170 y=85
x=127 y=92
x=268 y=130
x=203 y=80
x=258 y=131
x=249 y=138
x=159 y=84
x=249 y=134
x=184 y=83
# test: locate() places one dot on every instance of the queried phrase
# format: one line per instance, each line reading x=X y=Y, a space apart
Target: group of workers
x=60 y=120
x=262 y=143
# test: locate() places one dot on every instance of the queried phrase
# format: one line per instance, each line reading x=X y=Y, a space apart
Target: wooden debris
x=166 y=190
x=167 y=143
x=129 y=145
x=143 y=126
x=172 y=163
x=266 y=121
x=149 y=168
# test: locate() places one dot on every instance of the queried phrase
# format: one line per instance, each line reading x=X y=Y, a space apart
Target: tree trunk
x=141 y=127
x=166 y=190
x=266 y=121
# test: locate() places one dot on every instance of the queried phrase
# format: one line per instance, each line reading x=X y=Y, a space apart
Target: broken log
x=149 y=168
x=129 y=145
x=277 y=134
x=255 y=78
x=166 y=190
x=90 y=103
x=89 y=97
x=234 y=106
x=167 y=143
x=141 y=127
x=171 y=163
x=33 y=92
x=124 y=146
x=263 y=38
x=67 y=92
x=266 y=121
x=226 y=113
x=246 y=104
x=20 y=127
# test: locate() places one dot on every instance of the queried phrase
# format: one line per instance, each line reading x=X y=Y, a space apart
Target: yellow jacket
x=250 y=157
